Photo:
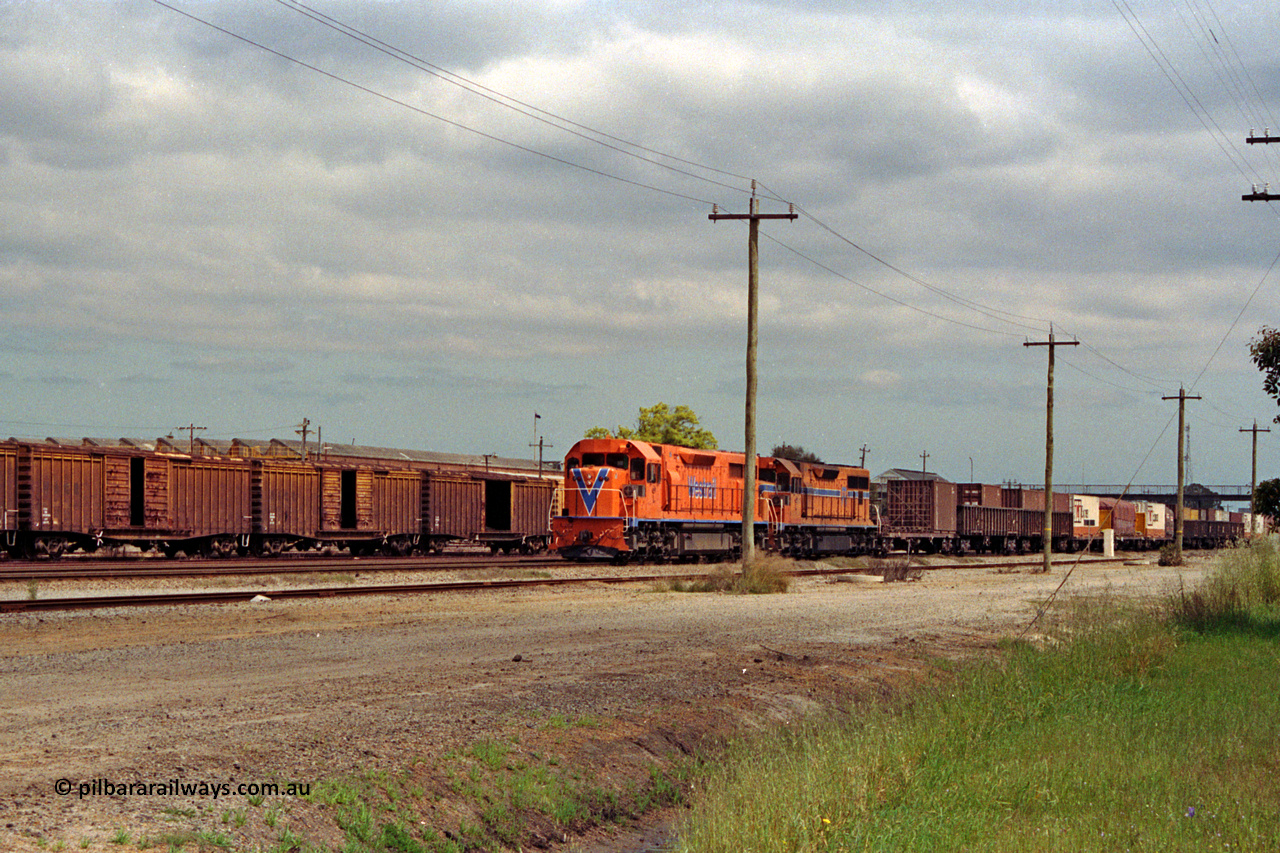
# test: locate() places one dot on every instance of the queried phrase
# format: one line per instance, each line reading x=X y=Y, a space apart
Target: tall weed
x=1245 y=580
x=1112 y=729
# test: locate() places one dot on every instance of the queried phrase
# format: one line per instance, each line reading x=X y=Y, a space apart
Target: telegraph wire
x=882 y=294
x=491 y=137
x=946 y=294
x=404 y=56
x=1236 y=322
x=1180 y=85
x=1097 y=378
x=1153 y=48
x=501 y=99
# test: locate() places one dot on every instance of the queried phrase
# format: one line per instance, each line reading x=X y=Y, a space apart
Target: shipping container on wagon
x=1118 y=515
x=1020 y=498
x=1086 y=516
x=978 y=494
x=920 y=507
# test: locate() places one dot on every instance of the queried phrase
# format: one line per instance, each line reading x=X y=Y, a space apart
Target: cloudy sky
x=421 y=230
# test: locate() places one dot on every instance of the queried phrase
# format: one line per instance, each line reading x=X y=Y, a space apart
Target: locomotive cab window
x=618 y=460
x=767 y=475
x=655 y=472
x=859 y=483
x=637 y=469
x=572 y=462
x=593 y=460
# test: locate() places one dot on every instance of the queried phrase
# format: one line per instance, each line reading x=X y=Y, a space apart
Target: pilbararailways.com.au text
x=178 y=788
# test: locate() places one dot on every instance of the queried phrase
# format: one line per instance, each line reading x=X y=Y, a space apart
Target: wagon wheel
x=45 y=546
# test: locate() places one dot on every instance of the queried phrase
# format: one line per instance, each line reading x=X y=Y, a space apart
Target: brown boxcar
x=1210 y=534
x=8 y=493
x=397 y=502
x=505 y=513
x=212 y=512
x=60 y=498
x=284 y=502
x=136 y=495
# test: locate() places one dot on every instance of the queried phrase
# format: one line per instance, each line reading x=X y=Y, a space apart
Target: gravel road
x=303 y=691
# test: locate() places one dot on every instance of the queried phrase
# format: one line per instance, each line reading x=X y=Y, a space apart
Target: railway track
x=227 y=597
x=29 y=570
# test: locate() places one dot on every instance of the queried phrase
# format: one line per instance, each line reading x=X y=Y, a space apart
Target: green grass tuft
x=1117 y=729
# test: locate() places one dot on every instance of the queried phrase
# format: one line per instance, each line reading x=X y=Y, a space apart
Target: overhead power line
x=690 y=169
x=427 y=113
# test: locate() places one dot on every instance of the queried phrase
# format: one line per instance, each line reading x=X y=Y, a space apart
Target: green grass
x=1120 y=729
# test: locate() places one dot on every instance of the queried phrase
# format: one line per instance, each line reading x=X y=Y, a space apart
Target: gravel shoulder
x=615 y=680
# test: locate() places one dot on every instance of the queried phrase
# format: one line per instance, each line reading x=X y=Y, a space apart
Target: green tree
x=1265 y=350
x=1266 y=498
x=661 y=424
x=794 y=452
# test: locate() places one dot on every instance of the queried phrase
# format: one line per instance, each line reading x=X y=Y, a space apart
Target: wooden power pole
x=304 y=429
x=1048 y=445
x=1253 y=479
x=1182 y=399
x=191 y=429
x=753 y=217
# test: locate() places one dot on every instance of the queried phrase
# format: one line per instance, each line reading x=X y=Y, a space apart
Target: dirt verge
x=517 y=717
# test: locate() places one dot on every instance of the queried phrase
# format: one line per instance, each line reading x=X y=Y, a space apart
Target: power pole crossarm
x=753 y=217
x=1048 y=445
x=191 y=430
x=304 y=429
x=1266 y=195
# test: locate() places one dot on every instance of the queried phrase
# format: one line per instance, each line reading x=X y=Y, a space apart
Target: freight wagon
x=59 y=496
x=934 y=516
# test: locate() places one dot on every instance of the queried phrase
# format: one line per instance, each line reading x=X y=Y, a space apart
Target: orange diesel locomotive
x=626 y=500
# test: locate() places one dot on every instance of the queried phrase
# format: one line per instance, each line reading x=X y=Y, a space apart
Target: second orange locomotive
x=628 y=499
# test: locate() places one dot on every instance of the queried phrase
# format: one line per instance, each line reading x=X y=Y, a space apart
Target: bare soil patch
x=614 y=686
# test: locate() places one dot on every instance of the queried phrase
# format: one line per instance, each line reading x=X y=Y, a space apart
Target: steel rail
x=227 y=597
x=132 y=569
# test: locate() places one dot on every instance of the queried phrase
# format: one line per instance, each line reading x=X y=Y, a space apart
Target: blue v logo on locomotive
x=590 y=495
